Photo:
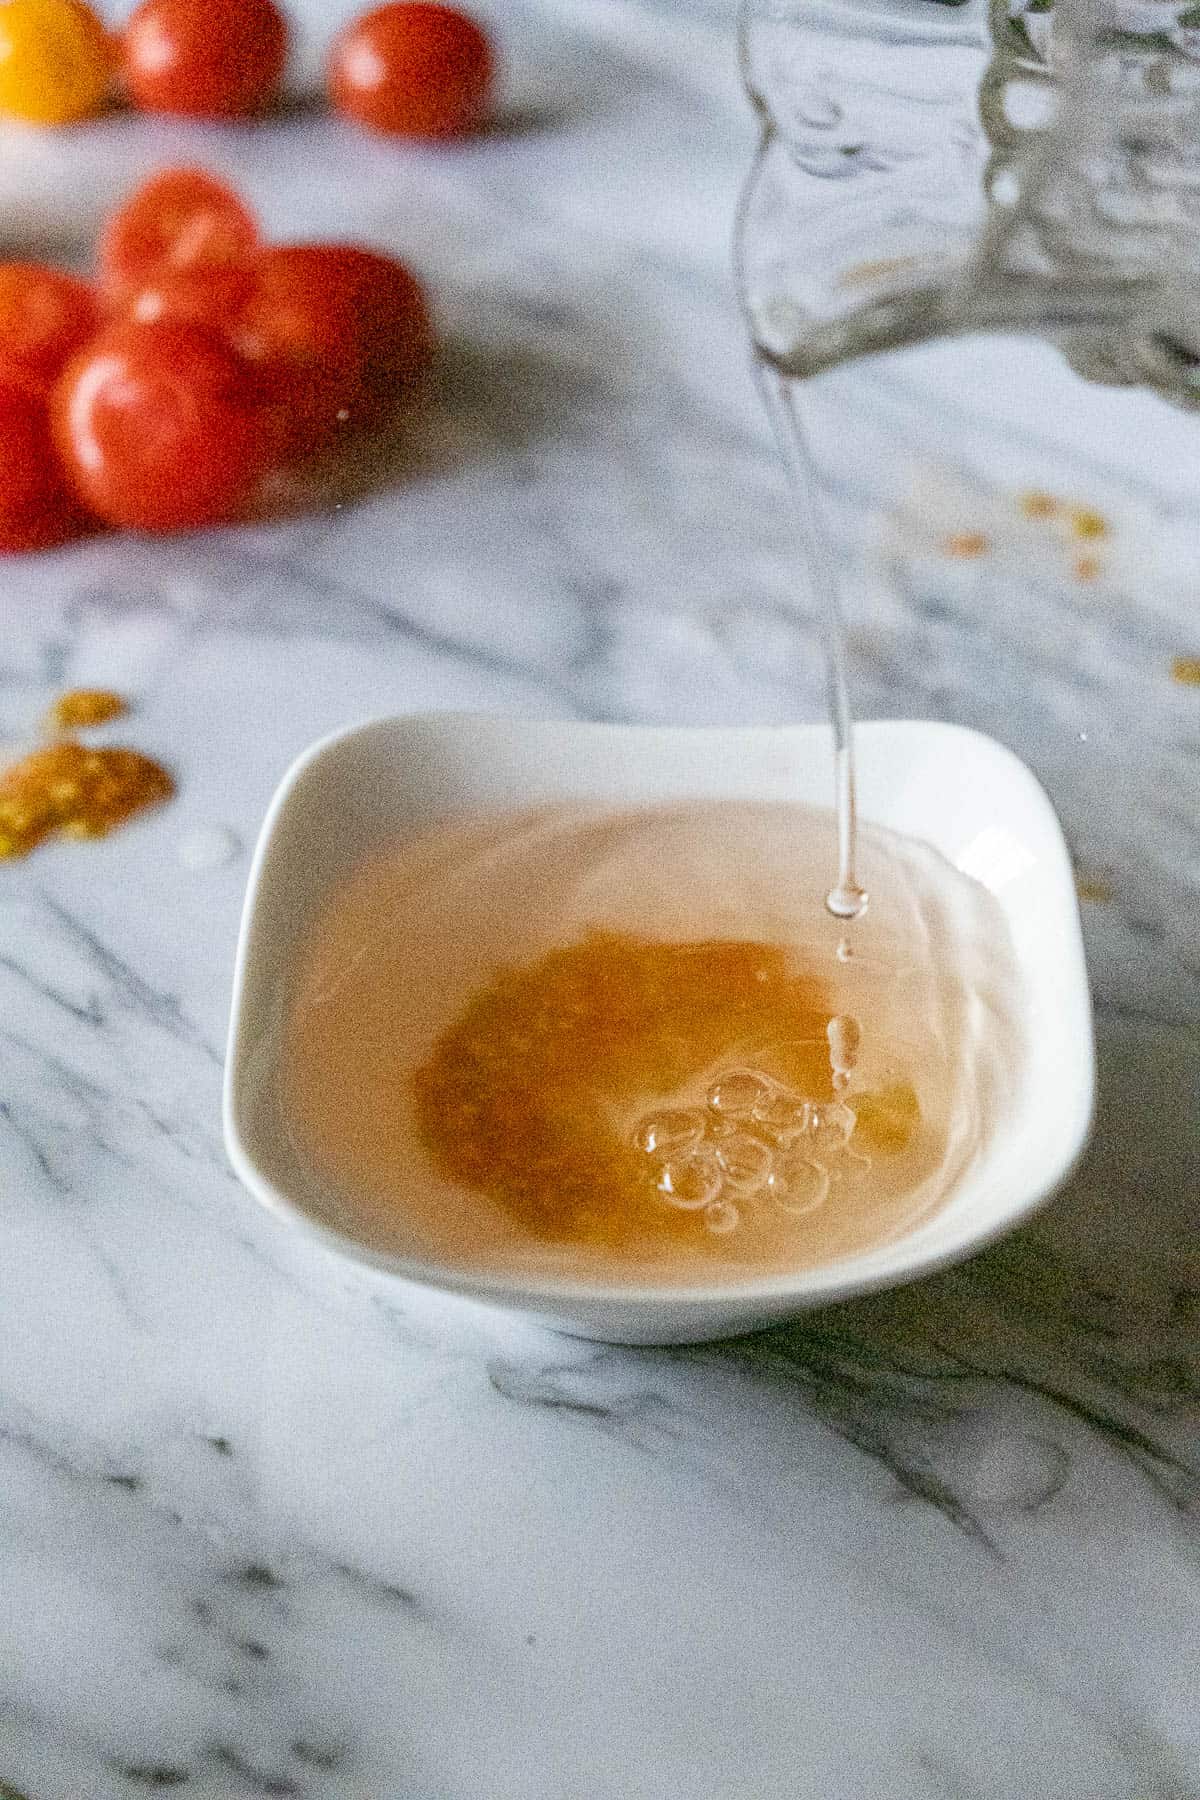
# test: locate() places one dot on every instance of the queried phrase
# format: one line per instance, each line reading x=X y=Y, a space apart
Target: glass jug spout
x=1018 y=165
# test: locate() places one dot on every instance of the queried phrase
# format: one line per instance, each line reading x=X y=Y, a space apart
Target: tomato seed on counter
x=1094 y=889
x=1086 y=522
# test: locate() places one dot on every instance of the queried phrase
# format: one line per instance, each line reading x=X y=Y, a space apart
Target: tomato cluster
x=411 y=68
x=198 y=364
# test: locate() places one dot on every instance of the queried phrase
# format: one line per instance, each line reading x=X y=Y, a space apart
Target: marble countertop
x=270 y=1525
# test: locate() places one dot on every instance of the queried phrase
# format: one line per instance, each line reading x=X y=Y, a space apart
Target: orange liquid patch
x=82 y=707
x=70 y=789
x=526 y=1094
x=530 y=1095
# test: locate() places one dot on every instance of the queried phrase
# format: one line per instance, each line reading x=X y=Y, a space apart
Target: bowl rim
x=823 y=1284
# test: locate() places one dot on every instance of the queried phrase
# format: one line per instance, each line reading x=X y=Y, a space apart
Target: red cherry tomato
x=159 y=428
x=37 y=508
x=412 y=69
x=340 y=335
x=181 y=219
x=45 y=317
x=209 y=59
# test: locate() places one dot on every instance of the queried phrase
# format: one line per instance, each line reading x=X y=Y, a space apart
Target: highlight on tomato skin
x=37 y=508
x=46 y=315
x=56 y=61
x=204 y=59
x=180 y=219
x=159 y=428
x=412 y=69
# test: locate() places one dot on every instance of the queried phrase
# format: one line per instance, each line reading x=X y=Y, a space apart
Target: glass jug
x=970 y=249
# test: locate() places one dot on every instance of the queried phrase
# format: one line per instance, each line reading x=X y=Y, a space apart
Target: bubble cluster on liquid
x=756 y=1142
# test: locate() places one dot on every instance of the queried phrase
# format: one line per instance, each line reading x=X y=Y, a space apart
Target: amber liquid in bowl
x=624 y=1047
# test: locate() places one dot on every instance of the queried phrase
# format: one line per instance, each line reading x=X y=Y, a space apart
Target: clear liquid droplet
x=845 y=1037
x=846 y=902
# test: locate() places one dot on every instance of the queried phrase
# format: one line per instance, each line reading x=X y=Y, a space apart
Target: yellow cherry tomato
x=55 y=61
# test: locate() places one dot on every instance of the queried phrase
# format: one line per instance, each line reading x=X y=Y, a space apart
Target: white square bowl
x=377 y=784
